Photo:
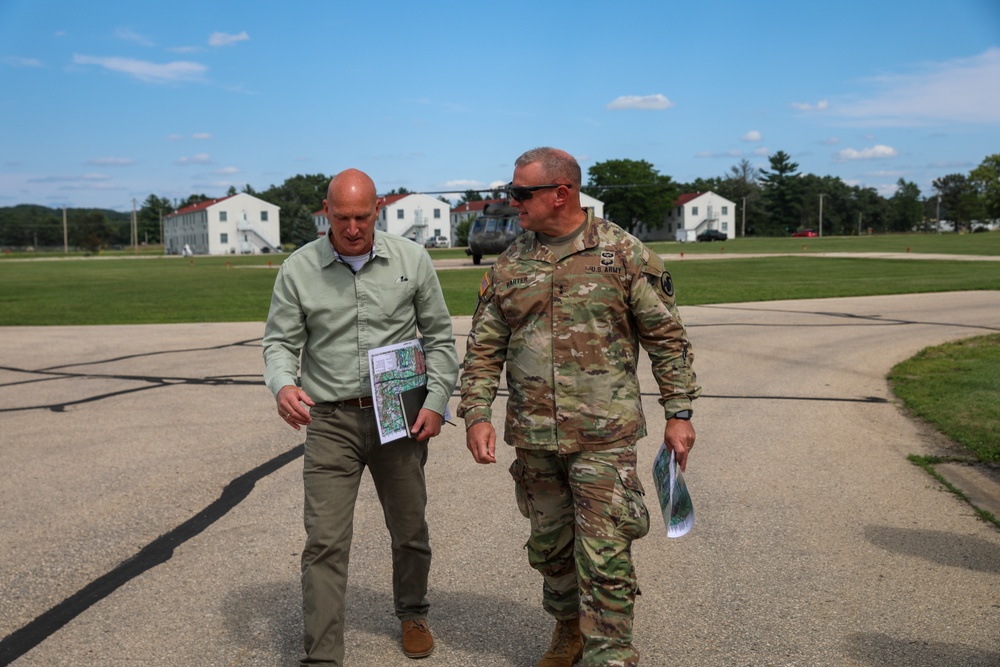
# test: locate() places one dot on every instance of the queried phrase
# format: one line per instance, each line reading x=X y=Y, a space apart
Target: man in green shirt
x=335 y=299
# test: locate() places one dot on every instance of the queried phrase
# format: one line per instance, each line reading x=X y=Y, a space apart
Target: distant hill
x=31 y=225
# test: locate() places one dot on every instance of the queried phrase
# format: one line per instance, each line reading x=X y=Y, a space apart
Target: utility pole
x=135 y=231
x=821 y=195
x=744 y=209
x=65 y=234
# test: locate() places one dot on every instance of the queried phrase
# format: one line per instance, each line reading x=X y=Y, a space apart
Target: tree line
x=769 y=202
x=779 y=200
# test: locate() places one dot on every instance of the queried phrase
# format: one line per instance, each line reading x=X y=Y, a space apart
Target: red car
x=805 y=232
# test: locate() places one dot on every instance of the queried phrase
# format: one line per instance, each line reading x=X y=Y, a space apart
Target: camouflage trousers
x=585 y=509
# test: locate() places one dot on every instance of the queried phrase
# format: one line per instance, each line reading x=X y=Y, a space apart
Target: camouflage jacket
x=569 y=332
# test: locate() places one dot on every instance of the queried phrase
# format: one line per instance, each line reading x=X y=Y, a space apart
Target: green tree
x=192 y=200
x=906 y=209
x=90 y=230
x=986 y=180
x=301 y=226
x=960 y=203
x=782 y=196
x=741 y=186
x=149 y=216
x=633 y=192
x=470 y=196
x=462 y=233
x=307 y=190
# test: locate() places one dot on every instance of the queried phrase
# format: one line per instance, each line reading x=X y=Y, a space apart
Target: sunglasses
x=524 y=193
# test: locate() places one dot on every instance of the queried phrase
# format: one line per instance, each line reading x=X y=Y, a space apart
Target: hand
x=679 y=436
x=427 y=426
x=290 y=399
x=481 y=440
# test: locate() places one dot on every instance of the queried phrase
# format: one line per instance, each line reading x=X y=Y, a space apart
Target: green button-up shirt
x=331 y=316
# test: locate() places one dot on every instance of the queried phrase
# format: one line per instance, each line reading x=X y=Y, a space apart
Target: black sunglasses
x=525 y=193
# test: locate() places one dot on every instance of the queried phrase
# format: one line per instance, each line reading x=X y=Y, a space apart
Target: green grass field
x=216 y=289
x=120 y=288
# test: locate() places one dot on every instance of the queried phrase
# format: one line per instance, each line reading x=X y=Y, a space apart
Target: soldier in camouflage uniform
x=566 y=308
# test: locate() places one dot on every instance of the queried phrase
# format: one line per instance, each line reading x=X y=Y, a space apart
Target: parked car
x=436 y=242
x=805 y=232
x=712 y=235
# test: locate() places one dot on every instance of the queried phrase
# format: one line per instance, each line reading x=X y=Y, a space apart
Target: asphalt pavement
x=152 y=500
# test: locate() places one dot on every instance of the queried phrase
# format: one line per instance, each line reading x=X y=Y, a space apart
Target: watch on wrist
x=683 y=414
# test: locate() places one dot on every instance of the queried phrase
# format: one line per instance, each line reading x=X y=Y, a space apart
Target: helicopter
x=493 y=231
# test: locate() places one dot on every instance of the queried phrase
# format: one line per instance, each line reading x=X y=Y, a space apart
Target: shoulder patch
x=667 y=283
x=485 y=285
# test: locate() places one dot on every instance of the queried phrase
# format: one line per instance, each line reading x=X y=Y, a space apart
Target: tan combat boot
x=566 y=647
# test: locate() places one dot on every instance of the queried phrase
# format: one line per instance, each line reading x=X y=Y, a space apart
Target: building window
x=263 y=216
x=694 y=210
x=223 y=238
x=222 y=216
x=725 y=226
x=399 y=214
x=437 y=214
x=725 y=210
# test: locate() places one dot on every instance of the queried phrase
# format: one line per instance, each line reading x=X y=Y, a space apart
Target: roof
x=691 y=196
x=475 y=205
x=685 y=198
x=199 y=206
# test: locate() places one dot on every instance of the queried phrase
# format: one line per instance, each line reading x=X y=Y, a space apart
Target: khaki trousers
x=340 y=442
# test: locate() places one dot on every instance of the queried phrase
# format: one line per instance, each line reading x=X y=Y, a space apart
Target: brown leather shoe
x=566 y=647
x=417 y=639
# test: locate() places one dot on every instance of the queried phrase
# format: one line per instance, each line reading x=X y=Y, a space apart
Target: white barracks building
x=240 y=224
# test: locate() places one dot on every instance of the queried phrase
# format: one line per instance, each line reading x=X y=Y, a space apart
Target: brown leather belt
x=360 y=402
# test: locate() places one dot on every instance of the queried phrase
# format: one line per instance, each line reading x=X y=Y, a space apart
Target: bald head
x=351 y=206
x=351 y=183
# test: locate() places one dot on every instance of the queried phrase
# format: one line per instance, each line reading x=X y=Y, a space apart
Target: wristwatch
x=683 y=414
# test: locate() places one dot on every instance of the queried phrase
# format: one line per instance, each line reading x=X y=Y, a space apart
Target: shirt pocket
x=396 y=300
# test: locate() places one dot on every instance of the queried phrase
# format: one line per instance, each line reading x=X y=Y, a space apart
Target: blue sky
x=103 y=102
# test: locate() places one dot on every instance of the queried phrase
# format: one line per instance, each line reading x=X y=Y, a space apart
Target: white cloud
x=654 y=102
x=752 y=135
x=174 y=137
x=145 y=70
x=112 y=161
x=763 y=151
x=185 y=49
x=832 y=141
x=497 y=184
x=17 y=61
x=227 y=170
x=200 y=158
x=822 y=105
x=877 y=152
x=130 y=35
x=960 y=90
x=225 y=39
x=201 y=135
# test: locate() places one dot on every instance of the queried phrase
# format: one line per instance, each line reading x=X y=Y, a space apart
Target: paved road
x=151 y=507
